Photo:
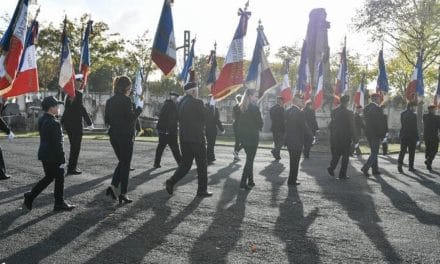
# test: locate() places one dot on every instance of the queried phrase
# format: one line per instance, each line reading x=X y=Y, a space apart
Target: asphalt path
x=391 y=218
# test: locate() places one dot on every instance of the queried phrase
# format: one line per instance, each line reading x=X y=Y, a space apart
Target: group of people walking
x=196 y=125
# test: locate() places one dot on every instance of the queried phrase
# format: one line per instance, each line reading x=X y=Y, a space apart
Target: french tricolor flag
x=12 y=46
x=67 y=74
x=27 y=78
x=188 y=67
x=342 y=78
x=259 y=74
x=304 y=84
x=84 y=64
x=415 y=87
x=359 y=97
x=286 y=91
x=319 y=96
x=164 y=45
x=231 y=76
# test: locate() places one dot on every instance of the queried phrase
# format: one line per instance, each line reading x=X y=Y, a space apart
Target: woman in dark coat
x=121 y=117
x=248 y=128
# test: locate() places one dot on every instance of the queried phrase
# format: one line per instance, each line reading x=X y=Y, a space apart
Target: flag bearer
x=212 y=124
x=277 y=127
x=431 y=124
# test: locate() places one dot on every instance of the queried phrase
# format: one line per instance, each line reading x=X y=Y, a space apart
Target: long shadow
x=272 y=173
x=291 y=227
x=403 y=202
x=354 y=197
x=223 y=173
x=225 y=230
x=424 y=181
x=99 y=209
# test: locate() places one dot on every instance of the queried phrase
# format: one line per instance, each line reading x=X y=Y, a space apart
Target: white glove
x=140 y=104
x=91 y=127
x=418 y=143
x=11 y=136
x=63 y=166
x=356 y=145
x=223 y=132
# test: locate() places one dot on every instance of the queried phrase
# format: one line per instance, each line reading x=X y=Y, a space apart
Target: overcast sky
x=284 y=21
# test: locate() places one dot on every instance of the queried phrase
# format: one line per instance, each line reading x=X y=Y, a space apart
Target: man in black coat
x=277 y=127
x=72 y=121
x=167 y=130
x=342 y=135
x=431 y=124
x=310 y=116
x=51 y=154
x=192 y=116
x=374 y=131
x=236 y=112
x=212 y=123
x=359 y=127
x=409 y=136
x=296 y=130
x=4 y=127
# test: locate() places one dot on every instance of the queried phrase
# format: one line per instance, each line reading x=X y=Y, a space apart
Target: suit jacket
x=121 y=116
x=168 y=118
x=342 y=130
x=296 y=129
x=236 y=112
x=4 y=127
x=374 y=124
x=431 y=125
x=192 y=118
x=310 y=116
x=249 y=125
x=212 y=120
x=74 y=113
x=51 y=140
x=409 y=130
x=359 y=124
x=277 y=118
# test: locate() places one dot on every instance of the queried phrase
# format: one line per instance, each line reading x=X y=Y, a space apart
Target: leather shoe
x=4 y=177
x=157 y=166
x=365 y=172
x=204 y=194
x=399 y=168
x=376 y=173
x=245 y=187
x=251 y=184
x=343 y=177
x=169 y=187
x=331 y=171
x=412 y=170
x=74 y=172
x=27 y=203
x=63 y=207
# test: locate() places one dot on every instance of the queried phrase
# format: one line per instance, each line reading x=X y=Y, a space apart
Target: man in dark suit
x=236 y=112
x=72 y=121
x=374 y=131
x=431 y=123
x=296 y=130
x=310 y=116
x=277 y=127
x=212 y=123
x=359 y=127
x=51 y=154
x=167 y=130
x=192 y=116
x=409 y=136
x=4 y=127
x=342 y=135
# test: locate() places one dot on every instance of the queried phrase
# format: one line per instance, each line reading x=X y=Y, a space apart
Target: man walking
x=167 y=130
x=359 y=127
x=72 y=121
x=310 y=115
x=374 y=131
x=212 y=123
x=409 y=136
x=4 y=127
x=277 y=127
x=192 y=140
x=431 y=124
x=342 y=135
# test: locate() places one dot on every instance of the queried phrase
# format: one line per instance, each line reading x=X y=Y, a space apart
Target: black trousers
x=295 y=156
x=372 y=161
x=170 y=140
x=75 y=138
x=52 y=172
x=211 y=137
x=338 y=152
x=307 y=145
x=385 y=148
x=248 y=171
x=191 y=151
x=123 y=147
x=410 y=146
x=237 y=146
x=2 y=164
x=278 y=140
x=431 y=150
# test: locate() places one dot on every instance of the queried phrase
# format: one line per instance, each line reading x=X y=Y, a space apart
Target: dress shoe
x=4 y=177
x=331 y=171
x=399 y=169
x=74 y=172
x=244 y=186
x=27 y=203
x=412 y=170
x=293 y=183
x=376 y=173
x=251 y=184
x=169 y=187
x=343 y=177
x=111 y=193
x=63 y=207
x=236 y=157
x=157 y=166
x=204 y=194
x=125 y=199
x=428 y=165
x=365 y=172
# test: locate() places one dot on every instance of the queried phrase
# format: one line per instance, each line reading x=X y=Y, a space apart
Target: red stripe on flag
x=11 y=62
x=26 y=82
x=69 y=88
x=318 y=99
x=230 y=79
x=163 y=61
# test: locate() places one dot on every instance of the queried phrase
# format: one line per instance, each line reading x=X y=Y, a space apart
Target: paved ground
x=389 y=218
